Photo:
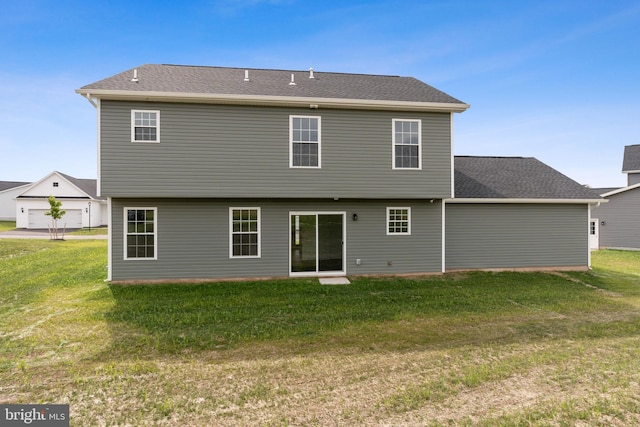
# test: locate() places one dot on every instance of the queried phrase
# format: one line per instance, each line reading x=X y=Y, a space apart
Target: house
x=617 y=223
x=213 y=172
x=84 y=208
x=8 y=192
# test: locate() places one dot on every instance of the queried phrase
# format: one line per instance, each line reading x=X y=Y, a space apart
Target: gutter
x=281 y=101
x=529 y=201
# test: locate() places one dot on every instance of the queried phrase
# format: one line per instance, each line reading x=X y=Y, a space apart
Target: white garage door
x=37 y=219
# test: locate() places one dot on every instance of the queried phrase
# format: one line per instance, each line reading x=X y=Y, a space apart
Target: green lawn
x=465 y=349
x=7 y=225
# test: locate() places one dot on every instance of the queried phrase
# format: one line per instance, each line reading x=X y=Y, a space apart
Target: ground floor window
x=244 y=241
x=140 y=233
x=398 y=221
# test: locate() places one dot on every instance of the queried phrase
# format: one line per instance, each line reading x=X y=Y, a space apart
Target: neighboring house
x=84 y=208
x=617 y=223
x=214 y=172
x=8 y=192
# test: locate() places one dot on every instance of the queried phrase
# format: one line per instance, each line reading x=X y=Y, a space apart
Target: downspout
x=444 y=237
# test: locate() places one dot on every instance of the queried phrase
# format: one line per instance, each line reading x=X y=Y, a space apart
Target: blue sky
x=556 y=80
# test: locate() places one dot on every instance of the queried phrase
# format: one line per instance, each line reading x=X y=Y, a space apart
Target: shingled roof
x=631 y=159
x=7 y=185
x=514 y=178
x=201 y=82
x=89 y=186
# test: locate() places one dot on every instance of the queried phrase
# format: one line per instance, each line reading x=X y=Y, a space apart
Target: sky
x=557 y=80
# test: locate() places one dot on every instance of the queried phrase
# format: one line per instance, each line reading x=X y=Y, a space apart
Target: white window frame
x=388 y=221
x=291 y=141
x=258 y=232
x=133 y=126
x=316 y=273
x=126 y=233
x=396 y=143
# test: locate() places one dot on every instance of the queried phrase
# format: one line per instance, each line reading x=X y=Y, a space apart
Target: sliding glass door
x=317 y=243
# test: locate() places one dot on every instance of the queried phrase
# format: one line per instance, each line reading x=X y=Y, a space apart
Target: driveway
x=41 y=234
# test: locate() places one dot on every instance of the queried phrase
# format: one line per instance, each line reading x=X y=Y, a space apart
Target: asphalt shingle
x=6 y=185
x=262 y=82
x=513 y=178
x=631 y=159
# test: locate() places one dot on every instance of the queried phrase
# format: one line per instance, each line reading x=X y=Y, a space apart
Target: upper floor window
x=304 y=136
x=55 y=184
x=145 y=126
x=140 y=233
x=244 y=232
x=407 y=144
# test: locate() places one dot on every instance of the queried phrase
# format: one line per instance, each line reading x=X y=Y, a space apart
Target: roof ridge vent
x=135 y=75
x=246 y=75
x=293 y=80
x=311 y=73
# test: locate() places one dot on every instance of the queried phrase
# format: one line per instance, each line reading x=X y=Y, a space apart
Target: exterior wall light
x=355 y=216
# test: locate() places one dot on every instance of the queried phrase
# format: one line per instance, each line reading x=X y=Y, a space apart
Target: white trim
x=291 y=142
x=408 y=232
x=621 y=190
x=530 y=201
x=109 y=240
x=259 y=232
x=632 y=171
x=133 y=126
x=99 y=141
x=453 y=161
x=34 y=184
x=589 y=222
x=288 y=101
x=17 y=187
x=444 y=236
x=155 y=232
x=393 y=144
x=317 y=273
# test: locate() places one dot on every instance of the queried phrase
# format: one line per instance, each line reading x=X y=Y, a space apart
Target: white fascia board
x=527 y=201
x=293 y=101
x=35 y=184
x=631 y=171
x=621 y=190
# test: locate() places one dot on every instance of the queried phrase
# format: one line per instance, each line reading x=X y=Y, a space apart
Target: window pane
x=244 y=234
x=305 y=137
x=140 y=228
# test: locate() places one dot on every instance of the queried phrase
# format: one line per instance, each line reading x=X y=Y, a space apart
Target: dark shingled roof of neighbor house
x=631 y=159
x=185 y=79
x=514 y=178
x=7 y=185
x=89 y=186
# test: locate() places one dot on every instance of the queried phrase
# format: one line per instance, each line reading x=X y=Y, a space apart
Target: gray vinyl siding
x=220 y=151
x=621 y=216
x=481 y=236
x=193 y=238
